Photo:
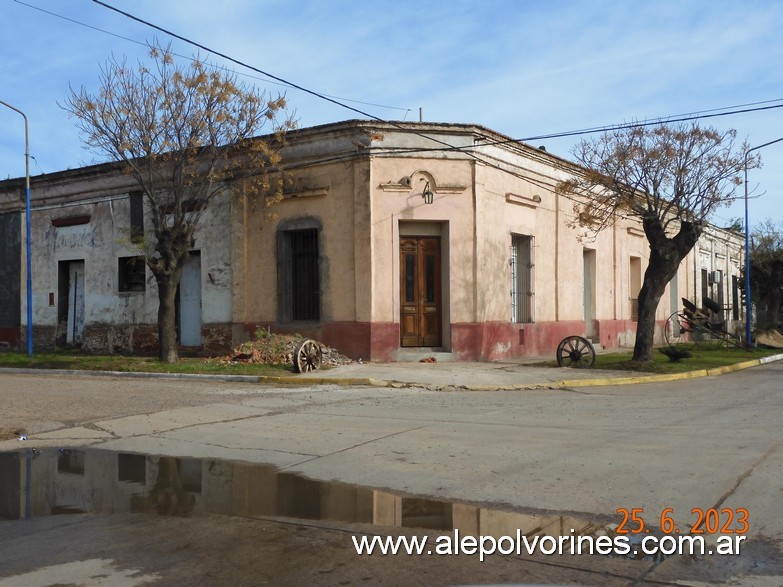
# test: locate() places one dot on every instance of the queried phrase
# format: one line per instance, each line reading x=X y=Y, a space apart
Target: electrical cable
x=467 y=150
x=124 y=38
x=282 y=80
x=234 y=60
x=371 y=116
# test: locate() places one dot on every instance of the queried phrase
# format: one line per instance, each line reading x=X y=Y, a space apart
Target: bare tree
x=669 y=177
x=185 y=133
x=766 y=274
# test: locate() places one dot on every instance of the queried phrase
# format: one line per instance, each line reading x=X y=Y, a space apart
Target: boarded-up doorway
x=588 y=258
x=70 y=304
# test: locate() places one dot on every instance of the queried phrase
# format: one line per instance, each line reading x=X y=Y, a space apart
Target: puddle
x=58 y=481
x=87 y=480
x=47 y=482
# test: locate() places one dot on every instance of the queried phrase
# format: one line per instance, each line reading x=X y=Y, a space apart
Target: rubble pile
x=333 y=357
x=277 y=349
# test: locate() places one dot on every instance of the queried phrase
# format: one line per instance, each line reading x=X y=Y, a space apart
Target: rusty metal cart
x=694 y=326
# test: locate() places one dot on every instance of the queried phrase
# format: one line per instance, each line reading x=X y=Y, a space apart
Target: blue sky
x=523 y=68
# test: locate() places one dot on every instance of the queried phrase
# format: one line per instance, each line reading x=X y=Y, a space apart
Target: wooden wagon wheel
x=307 y=356
x=575 y=351
x=678 y=331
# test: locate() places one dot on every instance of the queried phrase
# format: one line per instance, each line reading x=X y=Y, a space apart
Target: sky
x=523 y=68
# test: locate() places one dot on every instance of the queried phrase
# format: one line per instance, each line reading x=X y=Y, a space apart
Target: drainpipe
x=614 y=270
x=557 y=258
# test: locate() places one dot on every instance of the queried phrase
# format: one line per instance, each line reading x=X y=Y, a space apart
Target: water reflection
x=53 y=481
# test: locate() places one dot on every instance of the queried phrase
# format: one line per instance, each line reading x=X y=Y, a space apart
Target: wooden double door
x=420 y=291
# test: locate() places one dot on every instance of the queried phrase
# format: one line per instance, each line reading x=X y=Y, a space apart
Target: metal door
x=190 y=301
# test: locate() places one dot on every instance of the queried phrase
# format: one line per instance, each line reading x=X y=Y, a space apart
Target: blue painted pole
x=747 y=258
x=28 y=245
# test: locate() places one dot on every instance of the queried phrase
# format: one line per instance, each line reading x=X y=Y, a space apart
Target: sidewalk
x=489 y=376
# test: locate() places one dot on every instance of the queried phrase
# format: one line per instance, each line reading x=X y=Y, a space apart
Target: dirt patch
x=221 y=550
x=770 y=338
x=7 y=433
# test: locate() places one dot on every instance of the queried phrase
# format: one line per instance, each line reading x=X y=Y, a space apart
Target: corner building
x=391 y=238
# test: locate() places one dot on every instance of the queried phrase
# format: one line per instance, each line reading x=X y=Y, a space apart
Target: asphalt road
x=714 y=442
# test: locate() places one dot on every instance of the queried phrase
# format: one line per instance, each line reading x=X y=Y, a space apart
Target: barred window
x=735 y=298
x=635 y=267
x=705 y=285
x=131 y=274
x=299 y=275
x=521 y=278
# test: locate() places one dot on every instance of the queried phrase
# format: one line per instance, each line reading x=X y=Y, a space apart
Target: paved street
x=702 y=443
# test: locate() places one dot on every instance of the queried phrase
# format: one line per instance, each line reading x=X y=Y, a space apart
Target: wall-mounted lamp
x=428 y=195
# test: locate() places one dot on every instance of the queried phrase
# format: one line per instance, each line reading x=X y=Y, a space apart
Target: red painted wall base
x=488 y=341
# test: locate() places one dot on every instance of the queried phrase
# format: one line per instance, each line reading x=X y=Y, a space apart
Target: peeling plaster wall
x=117 y=321
x=212 y=238
x=321 y=195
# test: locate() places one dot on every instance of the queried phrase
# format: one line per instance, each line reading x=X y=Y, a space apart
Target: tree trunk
x=172 y=246
x=167 y=331
x=659 y=273
x=666 y=254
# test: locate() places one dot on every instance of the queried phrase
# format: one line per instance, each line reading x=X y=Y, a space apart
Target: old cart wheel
x=678 y=332
x=307 y=356
x=575 y=351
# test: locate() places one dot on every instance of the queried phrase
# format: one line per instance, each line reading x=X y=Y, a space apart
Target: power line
x=716 y=112
x=467 y=150
x=662 y=120
x=130 y=40
x=233 y=60
x=277 y=78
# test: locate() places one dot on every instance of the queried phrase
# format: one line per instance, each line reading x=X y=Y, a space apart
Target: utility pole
x=27 y=231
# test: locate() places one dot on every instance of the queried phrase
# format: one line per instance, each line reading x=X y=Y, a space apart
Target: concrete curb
x=672 y=376
x=133 y=374
x=633 y=379
x=294 y=380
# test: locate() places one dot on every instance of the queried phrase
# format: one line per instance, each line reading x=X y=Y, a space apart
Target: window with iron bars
x=131 y=274
x=735 y=298
x=521 y=262
x=299 y=275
